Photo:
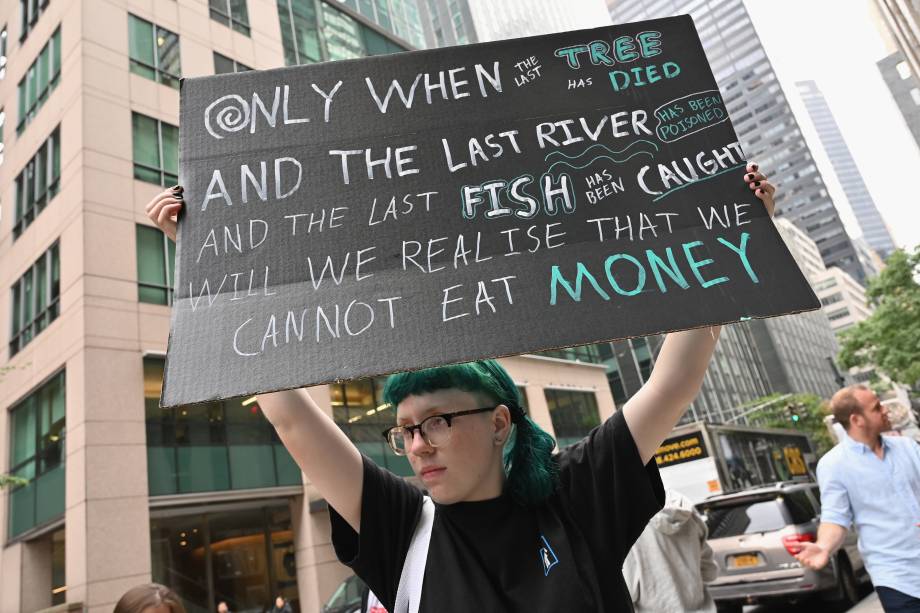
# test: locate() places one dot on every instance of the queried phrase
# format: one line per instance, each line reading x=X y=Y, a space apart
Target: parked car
x=754 y=535
x=347 y=598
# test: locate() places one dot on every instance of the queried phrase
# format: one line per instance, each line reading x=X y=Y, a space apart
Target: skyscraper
x=760 y=112
x=870 y=221
x=902 y=20
x=905 y=89
x=457 y=22
x=118 y=491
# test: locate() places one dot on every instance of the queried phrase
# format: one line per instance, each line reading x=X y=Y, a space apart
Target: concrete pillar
x=36 y=574
x=537 y=407
x=10 y=571
x=318 y=570
x=107 y=518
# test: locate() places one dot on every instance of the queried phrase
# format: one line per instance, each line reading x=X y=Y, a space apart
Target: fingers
x=174 y=192
x=762 y=188
x=172 y=205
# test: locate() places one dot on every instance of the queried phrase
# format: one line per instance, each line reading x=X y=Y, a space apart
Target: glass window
x=583 y=353
x=40 y=80
x=747 y=517
x=156 y=150
x=156 y=256
x=799 y=506
x=35 y=297
x=244 y=557
x=573 y=414
x=30 y=11
x=903 y=69
x=38 y=183
x=343 y=34
x=231 y=13
x=154 y=52
x=37 y=455
x=224 y=64
x=915 y=95
x=58 y=585
x=643 y=357
x=3 y=46
x=215 y=446
x=299 y=32
x=358 y=409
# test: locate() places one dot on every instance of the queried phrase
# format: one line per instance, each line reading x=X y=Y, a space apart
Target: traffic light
x=795 y=411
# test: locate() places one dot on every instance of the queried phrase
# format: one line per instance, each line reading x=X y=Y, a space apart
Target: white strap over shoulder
x=409 y=592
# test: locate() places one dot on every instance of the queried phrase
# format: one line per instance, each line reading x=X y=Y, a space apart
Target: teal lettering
x=640 y=284
x=599 y=50
x=556 y=279
x=649 y=43
x=657 y=264
x=571 y=54
x=624 y=49
x=695 y=265
x=742 y=253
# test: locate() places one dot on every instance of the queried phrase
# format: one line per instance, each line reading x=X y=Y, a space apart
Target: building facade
x=458 y=22
x=904 y=86
x=766 y=126
x=843 y=299
x=901 y=19
x=874 y=229
x=118 y=491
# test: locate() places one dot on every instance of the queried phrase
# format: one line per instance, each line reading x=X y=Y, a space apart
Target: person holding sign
x=515 y=528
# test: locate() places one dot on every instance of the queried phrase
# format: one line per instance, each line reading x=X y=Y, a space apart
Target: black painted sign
x=362 y=217
x=680 y=449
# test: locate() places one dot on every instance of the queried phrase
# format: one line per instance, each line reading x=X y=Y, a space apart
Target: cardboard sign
x=363 y=217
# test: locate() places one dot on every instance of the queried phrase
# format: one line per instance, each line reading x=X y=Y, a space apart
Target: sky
x=816 y=40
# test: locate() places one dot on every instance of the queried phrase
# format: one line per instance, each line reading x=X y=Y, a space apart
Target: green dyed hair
x=528 y=457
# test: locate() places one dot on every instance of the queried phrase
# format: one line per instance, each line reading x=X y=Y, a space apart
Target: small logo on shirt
x=547 y=556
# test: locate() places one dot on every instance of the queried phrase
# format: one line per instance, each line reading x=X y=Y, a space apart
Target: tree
x=804 y=412
x=890 y=338
x=11 y=481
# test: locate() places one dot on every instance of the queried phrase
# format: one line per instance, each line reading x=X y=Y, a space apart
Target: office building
x=901 y=21
x=905 y=89
x=458 y=22
x=874 y=229
x=119 y=491
x=765 y=124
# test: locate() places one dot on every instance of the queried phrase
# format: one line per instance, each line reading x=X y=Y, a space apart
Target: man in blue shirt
x=873 y=481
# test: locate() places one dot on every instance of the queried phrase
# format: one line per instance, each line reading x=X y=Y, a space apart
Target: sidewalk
x=869 y=604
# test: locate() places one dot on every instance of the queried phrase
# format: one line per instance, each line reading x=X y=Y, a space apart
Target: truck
x=702 y=459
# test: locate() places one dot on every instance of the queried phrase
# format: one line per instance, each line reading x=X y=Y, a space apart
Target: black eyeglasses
x=435 y=430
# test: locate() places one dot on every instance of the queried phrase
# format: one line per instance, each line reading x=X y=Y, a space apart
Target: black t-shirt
x=565 y=555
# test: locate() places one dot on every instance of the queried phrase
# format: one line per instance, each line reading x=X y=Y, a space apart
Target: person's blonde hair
x=148 y=596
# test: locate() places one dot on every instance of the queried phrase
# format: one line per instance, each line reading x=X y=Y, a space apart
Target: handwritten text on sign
x=356 y=218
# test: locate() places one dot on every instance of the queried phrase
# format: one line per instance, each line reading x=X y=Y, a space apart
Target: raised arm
x=321 y=450
x=678 y=374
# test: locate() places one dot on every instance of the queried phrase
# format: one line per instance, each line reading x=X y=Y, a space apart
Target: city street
x=869 y=604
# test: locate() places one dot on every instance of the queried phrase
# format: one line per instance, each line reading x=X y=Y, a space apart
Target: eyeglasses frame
x=448 y=417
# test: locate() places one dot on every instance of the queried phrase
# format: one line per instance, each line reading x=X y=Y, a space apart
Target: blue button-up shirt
x=882 y=498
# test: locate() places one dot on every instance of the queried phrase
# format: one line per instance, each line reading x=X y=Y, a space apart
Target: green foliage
x=890 y=338
x=11 y=481
x=803 y=412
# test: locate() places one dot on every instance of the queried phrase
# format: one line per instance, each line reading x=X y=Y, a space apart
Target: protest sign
x=363 y=217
